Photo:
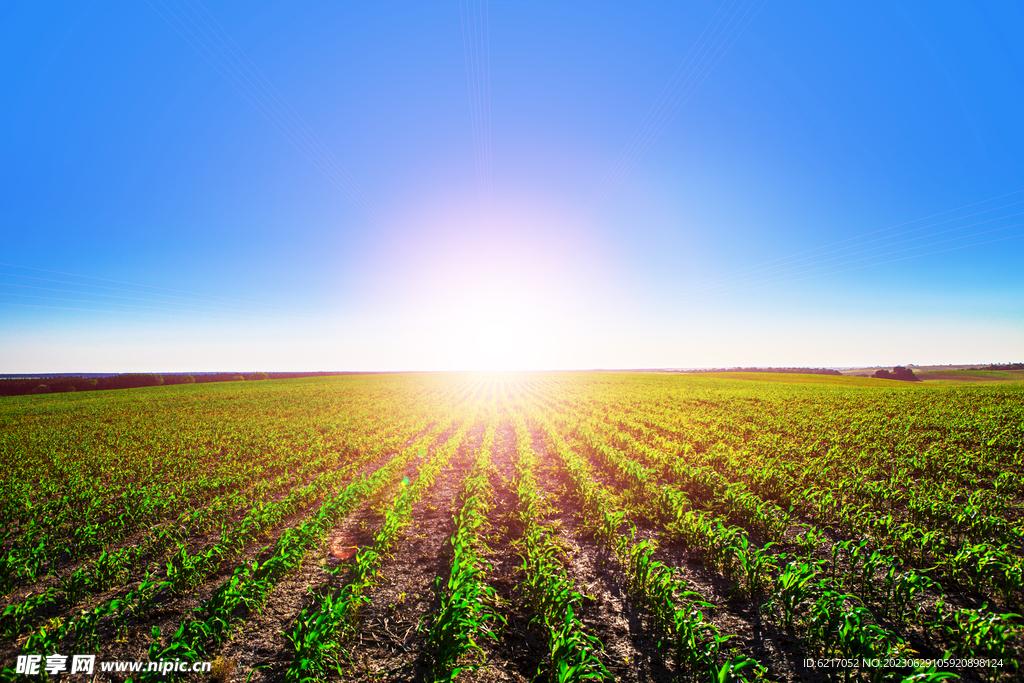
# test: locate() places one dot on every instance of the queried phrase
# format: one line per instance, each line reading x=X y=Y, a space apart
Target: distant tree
x=792 y=371
x=41 y=389
x=905 y=374
x=130 y=381
x=61 y=384
x=25 y=385
x=899 y=372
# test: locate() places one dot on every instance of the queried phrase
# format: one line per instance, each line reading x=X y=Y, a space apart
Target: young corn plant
x=549 y=590
x=792 y=586
x=754 y=565
x=679 y=614
x=317 y=636
x=824 y=619
x=984 y=635
x=466 y=602
x=696 y=641
x=855 y=638
x=250 y=583
x=903 y=591
x=732 y=670
x=17 y=617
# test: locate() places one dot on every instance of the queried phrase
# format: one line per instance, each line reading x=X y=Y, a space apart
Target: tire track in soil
x=732 y=613
x=630 y=652
x=521 y=647
x=390 y=643
x=262 y=641
x=768 y=641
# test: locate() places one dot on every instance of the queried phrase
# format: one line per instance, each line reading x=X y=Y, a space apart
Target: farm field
x=973 y=376
x=941 y=374
x=518 y=527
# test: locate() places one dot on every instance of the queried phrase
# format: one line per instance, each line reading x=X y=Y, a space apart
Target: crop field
x=972 y=376
x=517 y=527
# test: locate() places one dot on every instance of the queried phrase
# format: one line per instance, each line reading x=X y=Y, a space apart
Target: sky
x=509 y=185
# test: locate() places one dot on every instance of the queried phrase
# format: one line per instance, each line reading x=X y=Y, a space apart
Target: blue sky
x=131 y=164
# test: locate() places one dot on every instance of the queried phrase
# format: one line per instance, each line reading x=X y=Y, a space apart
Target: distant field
x=945 y=374
x=973 y=376
x=519 y=527
x=794 y=378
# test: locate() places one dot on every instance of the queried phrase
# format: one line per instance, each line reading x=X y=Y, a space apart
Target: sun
x=492 y=323
x=493 y=338
x=494 y=304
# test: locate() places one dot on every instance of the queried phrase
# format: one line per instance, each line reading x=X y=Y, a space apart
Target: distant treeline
x=1005 y=366
x=794 y=371
x=49 y=385
x=899 y=372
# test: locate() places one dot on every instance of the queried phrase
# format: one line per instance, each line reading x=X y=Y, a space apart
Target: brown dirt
x=520 y=648
x=630 y=649
x=391 y=641
x=261 y=647
x=129 y=639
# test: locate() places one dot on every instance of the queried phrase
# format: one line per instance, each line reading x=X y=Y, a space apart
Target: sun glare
x=498 y=332
x=489 y=304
